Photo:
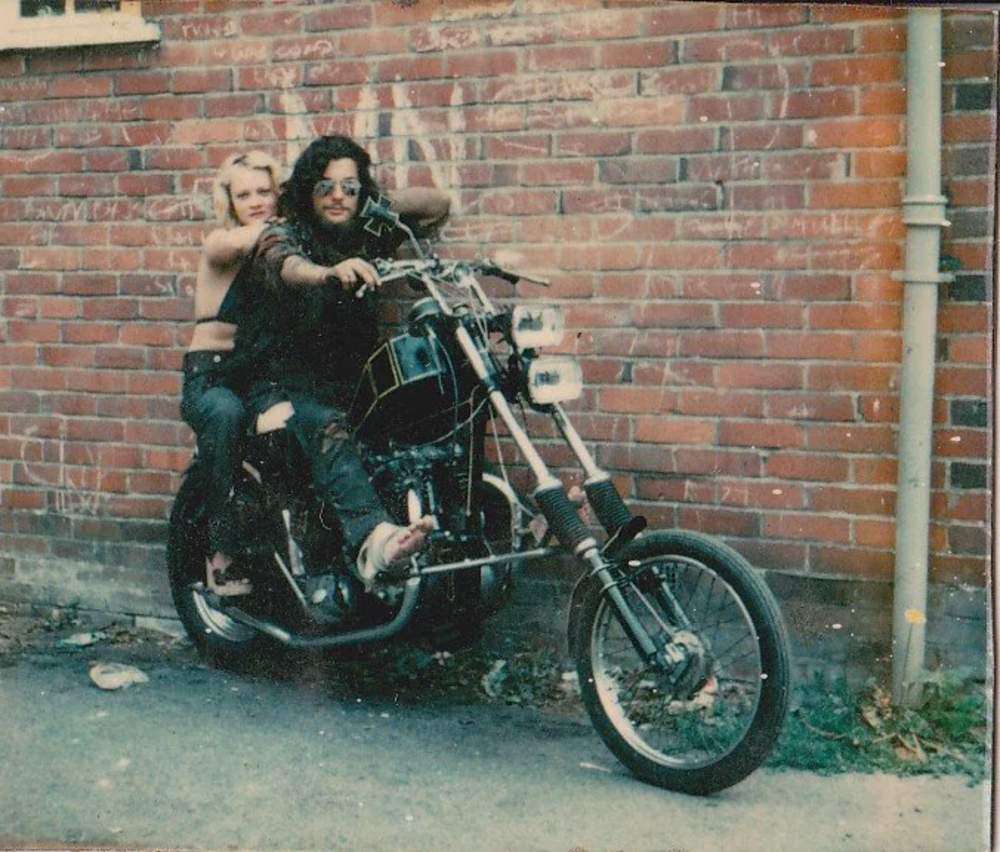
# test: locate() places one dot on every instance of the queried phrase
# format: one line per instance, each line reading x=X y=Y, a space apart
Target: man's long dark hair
x=296 y=200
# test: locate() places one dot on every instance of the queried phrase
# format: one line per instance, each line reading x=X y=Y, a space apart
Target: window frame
x=75 y=29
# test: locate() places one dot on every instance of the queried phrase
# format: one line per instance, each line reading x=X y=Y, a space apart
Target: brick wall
x=714 y=189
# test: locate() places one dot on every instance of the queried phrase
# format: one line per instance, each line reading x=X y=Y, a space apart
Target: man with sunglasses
x=306 y=333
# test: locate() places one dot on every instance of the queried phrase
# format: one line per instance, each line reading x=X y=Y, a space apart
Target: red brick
x=857 y=377
x=768 y=197
x=847 y=14
x=878 y=347
x=875 y=533
x=685 y=18
x=638 y=112
x=961 y=443
x=141 y=82
x=89 y=332
x=852 y=501
x=884 y=100
x=830 y=407
x=856 y=133
x=559 y=174
x=674 y=315
x=863 y=317
x=270 y=23
x=888 y=37
x=958 y=570
x=808 y=467
x=850 y=438
x=760 y=434
x=860 y=194
x=759 y=375
x=803 y=525
x=724 y=403
x=726 y=108
x=679 y=80
x=721 y=344
x=638 y=53
x=879 y=408
x=675 y=141
x=767 y=137
x=32 y=331
x=28 y=185
x=715 y=521
x=813 y=42
x=594 y=25
x=489 y=63
x=764 y=75
x=190 y=82
x=725 y=226
x=751 y=315
x=730 y=47
x=854 y=71
x=968 y=127
x=970 y=65
x=754 y=17
x=673 y=430
x=358 y=15
x=857 y=562
x=685 y=256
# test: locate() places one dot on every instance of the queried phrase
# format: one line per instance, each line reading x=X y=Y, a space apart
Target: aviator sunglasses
x=350 y=187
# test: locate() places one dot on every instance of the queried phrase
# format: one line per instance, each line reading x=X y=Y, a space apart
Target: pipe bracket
x=923 y=277
x=925 y=210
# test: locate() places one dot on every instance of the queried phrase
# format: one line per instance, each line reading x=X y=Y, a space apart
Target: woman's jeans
x=219 y=418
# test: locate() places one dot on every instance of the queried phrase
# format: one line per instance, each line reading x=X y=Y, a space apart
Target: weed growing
x=833 y=730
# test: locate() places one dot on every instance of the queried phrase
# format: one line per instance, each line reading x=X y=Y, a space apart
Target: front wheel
x=706 y=710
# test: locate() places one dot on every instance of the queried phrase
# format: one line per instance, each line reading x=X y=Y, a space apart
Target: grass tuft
x=831 y=730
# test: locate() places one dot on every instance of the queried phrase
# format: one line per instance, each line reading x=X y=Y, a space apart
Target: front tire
x=708 y=719
x=214 y=633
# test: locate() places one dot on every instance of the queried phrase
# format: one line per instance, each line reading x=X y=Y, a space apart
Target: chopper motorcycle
x=681 y=653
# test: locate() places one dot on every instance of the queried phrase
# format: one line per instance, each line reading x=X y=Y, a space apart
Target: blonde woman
x=245 y=194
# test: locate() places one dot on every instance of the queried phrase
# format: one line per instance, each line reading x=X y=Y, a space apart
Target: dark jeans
x=219 y=418
x=339 y=477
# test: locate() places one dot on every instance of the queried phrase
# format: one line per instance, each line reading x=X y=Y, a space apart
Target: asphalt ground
x=297 y=756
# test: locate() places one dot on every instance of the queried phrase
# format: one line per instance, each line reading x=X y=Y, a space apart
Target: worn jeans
x=339 y=478
x=219 y=418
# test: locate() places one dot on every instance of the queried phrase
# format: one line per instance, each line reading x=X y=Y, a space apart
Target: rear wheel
x=705 y=713
x=215 y=633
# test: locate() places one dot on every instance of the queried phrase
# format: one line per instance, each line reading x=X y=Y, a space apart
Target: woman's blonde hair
x=221 y=199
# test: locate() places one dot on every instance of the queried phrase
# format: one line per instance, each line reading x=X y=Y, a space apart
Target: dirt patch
x=397 y=672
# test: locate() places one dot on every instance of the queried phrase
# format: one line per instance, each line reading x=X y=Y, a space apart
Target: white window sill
x=77 y=31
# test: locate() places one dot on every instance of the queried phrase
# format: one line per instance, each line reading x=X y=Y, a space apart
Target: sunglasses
x=350 y=187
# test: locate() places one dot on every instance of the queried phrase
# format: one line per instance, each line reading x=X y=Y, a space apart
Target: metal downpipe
x=924 y=216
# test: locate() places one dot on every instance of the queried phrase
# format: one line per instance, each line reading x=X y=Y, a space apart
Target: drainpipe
x=923 y=214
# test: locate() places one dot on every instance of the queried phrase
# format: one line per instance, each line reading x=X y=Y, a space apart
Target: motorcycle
x=682 y=657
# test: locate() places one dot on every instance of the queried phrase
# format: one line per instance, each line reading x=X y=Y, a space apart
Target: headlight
x=554 y=380
x=534 y=327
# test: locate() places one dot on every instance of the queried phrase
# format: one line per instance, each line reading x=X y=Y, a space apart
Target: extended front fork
x=562 y=514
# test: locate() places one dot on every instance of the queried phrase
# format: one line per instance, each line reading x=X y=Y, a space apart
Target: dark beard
x=341 y=237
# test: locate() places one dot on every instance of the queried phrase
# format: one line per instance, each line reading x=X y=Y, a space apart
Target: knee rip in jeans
x=334 y=436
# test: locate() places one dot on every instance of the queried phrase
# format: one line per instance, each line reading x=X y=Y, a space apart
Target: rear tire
x=707 y=722
x=217 y=635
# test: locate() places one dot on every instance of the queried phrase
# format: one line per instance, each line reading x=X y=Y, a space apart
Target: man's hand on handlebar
x=355 y=274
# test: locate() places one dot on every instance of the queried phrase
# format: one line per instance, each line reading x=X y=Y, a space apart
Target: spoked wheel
x=213 y=631
x=706 y=711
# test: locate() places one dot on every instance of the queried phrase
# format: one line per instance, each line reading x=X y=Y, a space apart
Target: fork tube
x=634 y=629
x=577 y=445
x=588 y=550
x=542 y=475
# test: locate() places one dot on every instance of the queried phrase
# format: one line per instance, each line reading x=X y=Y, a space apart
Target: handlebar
x=392 y=270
